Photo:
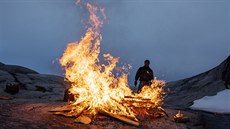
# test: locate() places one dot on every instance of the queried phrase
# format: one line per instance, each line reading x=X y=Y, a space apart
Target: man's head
x=147 y=62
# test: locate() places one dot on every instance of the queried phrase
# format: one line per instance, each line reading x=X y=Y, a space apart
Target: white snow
x=220 y=103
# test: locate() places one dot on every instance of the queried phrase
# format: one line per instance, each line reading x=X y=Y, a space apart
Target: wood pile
x=140 y=106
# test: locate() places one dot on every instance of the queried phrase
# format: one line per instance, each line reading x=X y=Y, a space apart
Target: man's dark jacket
x=144 y=73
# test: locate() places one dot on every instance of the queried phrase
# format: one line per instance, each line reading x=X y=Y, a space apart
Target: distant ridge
x=16 y=69
x=184 y=92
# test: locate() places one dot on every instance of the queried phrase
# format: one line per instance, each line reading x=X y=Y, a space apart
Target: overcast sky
x=181 y=38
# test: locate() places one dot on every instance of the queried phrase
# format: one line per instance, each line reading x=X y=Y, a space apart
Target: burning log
x=136 y=97
x=121 y=118
x=140 y=104
x=138 y=100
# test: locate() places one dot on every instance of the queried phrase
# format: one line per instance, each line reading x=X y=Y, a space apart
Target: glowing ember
x=94 y=86
x=179 y=115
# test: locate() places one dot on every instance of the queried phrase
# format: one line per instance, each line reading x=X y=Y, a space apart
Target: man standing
x=144 y=75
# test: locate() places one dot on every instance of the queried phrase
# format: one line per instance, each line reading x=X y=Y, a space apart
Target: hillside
x=184 y=92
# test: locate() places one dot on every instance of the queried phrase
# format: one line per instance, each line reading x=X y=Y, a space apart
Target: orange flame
x=93 y=83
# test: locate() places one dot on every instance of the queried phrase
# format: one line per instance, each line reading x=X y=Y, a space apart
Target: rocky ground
x=39 y=93
x=24 y=113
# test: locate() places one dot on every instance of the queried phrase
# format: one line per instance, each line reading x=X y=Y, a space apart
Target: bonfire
x=95 y=88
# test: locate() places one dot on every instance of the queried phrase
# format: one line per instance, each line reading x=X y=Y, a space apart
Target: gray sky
x=181 y=38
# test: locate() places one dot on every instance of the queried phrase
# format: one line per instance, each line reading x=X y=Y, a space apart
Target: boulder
x=12 y=88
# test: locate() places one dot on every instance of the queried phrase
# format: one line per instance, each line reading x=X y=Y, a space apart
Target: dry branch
x=66 y=114
x=64 y=108
x=83 y=119
x=162 y=110
x=121 y=118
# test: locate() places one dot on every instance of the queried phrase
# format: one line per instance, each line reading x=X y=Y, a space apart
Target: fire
x=93 y=84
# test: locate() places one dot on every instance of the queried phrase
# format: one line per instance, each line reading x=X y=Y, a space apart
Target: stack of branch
x=144 y=107
x=83 y=114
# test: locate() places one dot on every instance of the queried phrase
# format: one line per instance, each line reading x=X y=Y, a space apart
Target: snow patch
x=220 y=103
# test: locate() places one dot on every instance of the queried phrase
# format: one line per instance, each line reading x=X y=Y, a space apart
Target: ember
x=96 y=90
x=180 y=118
